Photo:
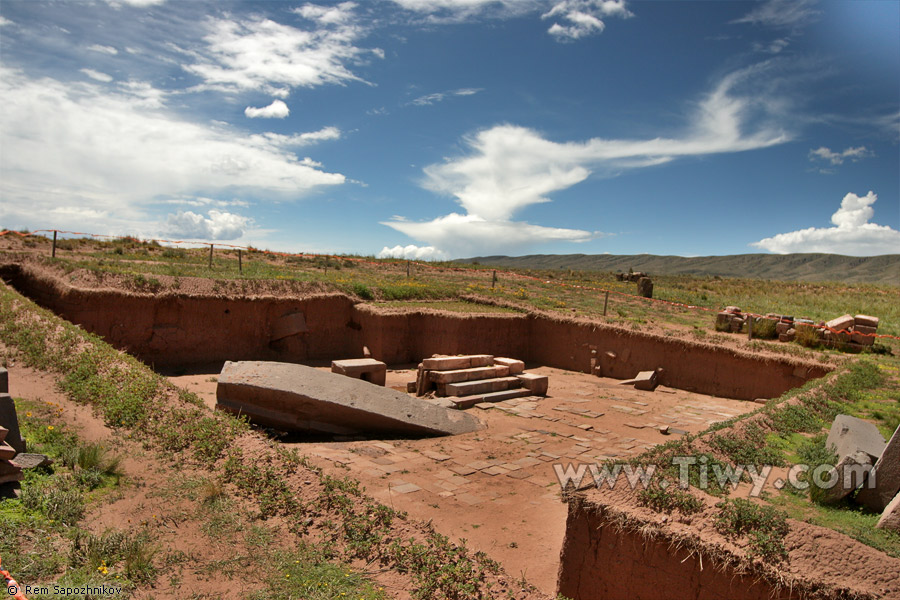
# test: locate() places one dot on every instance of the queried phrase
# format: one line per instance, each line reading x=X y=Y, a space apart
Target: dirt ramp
x=294 y=397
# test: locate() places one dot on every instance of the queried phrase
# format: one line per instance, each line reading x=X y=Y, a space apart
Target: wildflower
x=50 y=427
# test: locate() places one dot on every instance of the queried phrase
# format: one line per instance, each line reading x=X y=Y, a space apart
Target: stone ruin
x=846 y=332
x=472 y=379
x=868 y=466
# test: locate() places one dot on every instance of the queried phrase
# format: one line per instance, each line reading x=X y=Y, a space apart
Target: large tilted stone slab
x=287 y=325
x=295 y=397
x=890 y=518
x=884 y=480
x=849 y=434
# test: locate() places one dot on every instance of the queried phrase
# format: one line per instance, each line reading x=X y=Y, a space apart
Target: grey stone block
x=295 y=397
x=852 y=470
x=884 y=481
x=890 y=518
x=849 y=434
x=10 y=420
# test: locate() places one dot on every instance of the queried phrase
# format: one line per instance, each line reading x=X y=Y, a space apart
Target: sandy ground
x=497 y=488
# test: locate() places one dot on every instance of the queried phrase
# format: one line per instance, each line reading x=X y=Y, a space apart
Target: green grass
x=763 y=526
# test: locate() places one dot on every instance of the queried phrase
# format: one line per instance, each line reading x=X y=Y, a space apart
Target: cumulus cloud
x=837 y=158
x=455 y=11
x=119 y=150
x=852 y=235
x=781 y=13
x=440 y=96
x=97 y=75
x=136 y=3
x=260 y=54
x=4 y=21
x=218 y=225
x=412 y=252
x=276 y=110
x=583 y=17
x=508 y=168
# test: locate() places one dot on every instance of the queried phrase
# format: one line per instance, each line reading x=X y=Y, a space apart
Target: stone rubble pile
x=847 y=332
x=11 y=442
x=471 y=379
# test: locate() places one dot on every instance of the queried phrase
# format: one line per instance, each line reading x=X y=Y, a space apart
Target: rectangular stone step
x=468 y=374
x=3 y=432
x=482 y=386
x=469 y=401
x=6 y=451
x=451 y=363
x=515 y=366
x=536 y=384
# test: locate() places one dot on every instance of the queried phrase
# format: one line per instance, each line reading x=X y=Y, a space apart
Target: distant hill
x=785 y=267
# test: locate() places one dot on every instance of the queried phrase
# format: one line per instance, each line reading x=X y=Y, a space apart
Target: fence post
x=210 y=255
x=493 y=279
x=240 y=263
x=605 y=302
x=749 y=327
x=53 y=254
x=407 y=268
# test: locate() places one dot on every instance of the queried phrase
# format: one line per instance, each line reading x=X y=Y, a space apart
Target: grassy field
x=580 y=293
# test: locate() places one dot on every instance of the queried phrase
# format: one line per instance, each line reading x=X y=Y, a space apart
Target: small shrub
x=669 y=499
x=764 y=329
x=763 y=525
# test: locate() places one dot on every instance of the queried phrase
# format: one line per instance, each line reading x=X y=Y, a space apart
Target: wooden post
x=210 y=255
x=493 y=279
x=605 y=302
x=240 y=263
x=407 y=268
x=53 y=254
x=749 y=327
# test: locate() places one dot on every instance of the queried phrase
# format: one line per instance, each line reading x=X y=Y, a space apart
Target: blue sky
x=453 y=128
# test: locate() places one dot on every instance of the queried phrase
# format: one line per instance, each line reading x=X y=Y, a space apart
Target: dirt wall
x=602 y=561
x=172 y=329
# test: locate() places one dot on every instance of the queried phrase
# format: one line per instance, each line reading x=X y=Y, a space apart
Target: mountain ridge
x=883 y=269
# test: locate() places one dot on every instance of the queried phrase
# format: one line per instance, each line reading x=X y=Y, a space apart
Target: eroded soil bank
x=616 y=549
x=181 y=329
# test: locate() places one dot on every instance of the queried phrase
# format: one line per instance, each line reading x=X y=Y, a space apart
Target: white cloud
x=260 y=54
x=137 y=3
x=468 y=235
x=838 y=158
x=440 y=96
x=276 y=110
x=298 y=139
x=584 y=17
x=773 y=47
x=103 y=49
x=781 y=13
x=4 y=21
x=217 y=226
x=461 y=10
x=97 y=75
x=852 y=235
x=508 y=168
x=412 y=252
x=80 y=144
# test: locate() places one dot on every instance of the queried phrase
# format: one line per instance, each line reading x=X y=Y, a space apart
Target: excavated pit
x=169 y=330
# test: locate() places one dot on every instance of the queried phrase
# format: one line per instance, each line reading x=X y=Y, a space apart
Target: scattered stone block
x=451 y=363
x=10 y=420
x=664 y=429
x=884 y=480
x=733 y=309
x=367 y=369
x=288 y=325
x=866 y=321
x=849 y=435
x=844 y=322
x=645 y=380
x=890 y=518
x=443 y=377
x=862 y=339
x=515 y=366
x=537 y=384
x=782 y=327
x=32 y=461
x=852 y=470
x=482 y=386
x=788 y=336
x=6 y=451
x=410 y=387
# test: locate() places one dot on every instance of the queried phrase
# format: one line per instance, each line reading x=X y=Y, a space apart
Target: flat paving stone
x=495 y=470
x=463 y=469
x=406 y=488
